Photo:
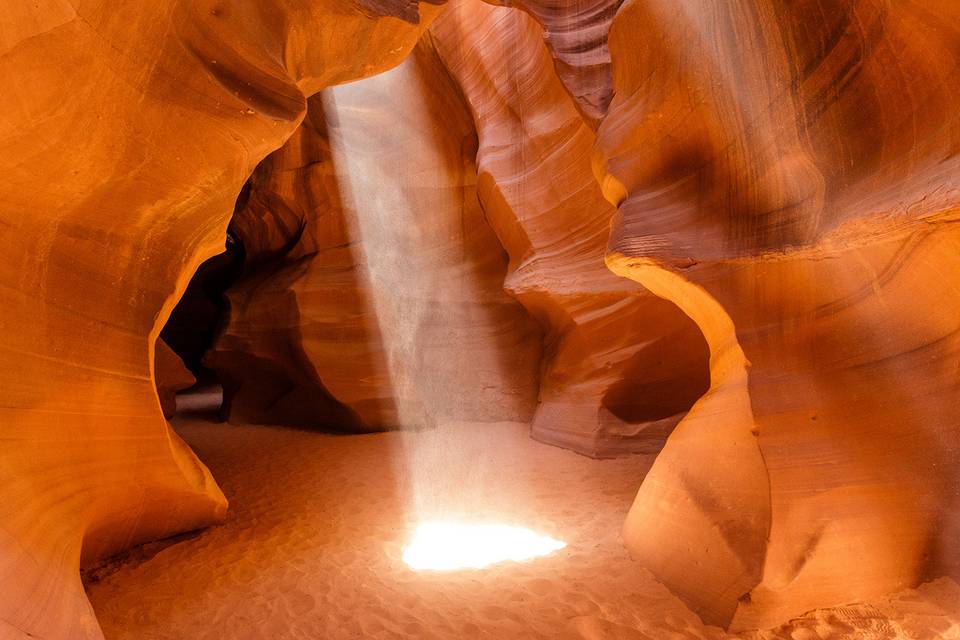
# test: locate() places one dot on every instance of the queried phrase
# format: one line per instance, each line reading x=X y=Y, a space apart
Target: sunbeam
x=448 y=546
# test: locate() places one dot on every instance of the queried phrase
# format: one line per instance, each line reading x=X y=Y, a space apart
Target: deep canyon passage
x=467 y=319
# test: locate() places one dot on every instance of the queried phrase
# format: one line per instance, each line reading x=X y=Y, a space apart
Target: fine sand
x=312 y=549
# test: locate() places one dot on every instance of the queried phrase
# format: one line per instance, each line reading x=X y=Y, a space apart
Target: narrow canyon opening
x=193 y=326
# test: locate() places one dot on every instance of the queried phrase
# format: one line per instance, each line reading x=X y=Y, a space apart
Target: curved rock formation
x=126 y=132
x=621 y=366
x=576 y=34
x=788 y=174
x=372 y=296
x=790 y=177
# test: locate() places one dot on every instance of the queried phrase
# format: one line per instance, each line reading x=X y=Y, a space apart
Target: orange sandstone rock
x=620 y=366
x=374 y=280
x=126 y=131
x=790 y=177
x=575 y=32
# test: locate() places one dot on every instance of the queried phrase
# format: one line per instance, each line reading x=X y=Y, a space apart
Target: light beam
x=449 y=546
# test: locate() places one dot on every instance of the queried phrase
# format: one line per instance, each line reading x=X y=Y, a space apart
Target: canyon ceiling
x=727 y=230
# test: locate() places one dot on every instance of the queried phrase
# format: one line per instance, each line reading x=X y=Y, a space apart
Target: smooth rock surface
x=575 y=32
x=790 y=177
x=373 y=279
x=620 y=365
x=783 y=181
x=126 y=132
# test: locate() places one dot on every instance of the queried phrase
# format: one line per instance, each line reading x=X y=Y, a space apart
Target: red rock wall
x=299 y=252
x=126 y=132
x=575 y=32
x=789 y=177
x=621 y=366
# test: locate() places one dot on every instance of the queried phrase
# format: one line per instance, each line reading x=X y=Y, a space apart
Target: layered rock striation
x=367 y=240
x=784 y=186
x=620 y=365
x=790 y=178
x=575 y=33
x=126 y=133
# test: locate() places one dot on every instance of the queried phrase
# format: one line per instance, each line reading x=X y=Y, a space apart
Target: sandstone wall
x=621 y=366
x=126 y=133
x=789 y=177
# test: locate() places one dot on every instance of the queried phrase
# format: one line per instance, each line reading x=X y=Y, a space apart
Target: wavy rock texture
x=620 y=366
x=789 y=176
x=576 y=34
x=372 y=297
x=786 y=173
x=126 y=132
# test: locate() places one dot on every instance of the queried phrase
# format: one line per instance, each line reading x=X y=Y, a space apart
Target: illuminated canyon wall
x=374 y=241
x=789 y=176
x=127 y=132
x=782 y=183
x=620 y=366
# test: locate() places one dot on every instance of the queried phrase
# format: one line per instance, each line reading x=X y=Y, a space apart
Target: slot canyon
x=606 y=319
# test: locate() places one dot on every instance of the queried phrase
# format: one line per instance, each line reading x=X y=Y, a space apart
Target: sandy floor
x=312 y=549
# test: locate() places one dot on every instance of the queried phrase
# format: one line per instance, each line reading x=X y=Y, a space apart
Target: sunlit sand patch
x=448 y=546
